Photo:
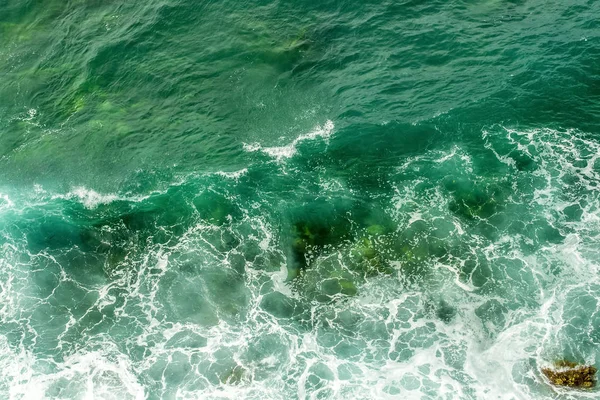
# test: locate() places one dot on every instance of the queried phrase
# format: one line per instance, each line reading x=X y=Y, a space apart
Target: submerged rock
x=308 y=239
x=376 y=230
x=368 y=260
x=474 y=200
x=567 y=373
x=440 y=309
x=334 y=286
x=445 y=312
x=327 y=258
x=234 y=376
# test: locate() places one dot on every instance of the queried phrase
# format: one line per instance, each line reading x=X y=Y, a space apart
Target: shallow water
x=251 y=200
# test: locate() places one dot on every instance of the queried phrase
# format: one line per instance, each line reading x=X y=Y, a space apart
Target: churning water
x=298 y=200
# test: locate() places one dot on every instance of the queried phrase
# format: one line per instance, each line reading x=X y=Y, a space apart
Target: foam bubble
x=90 y=198
x=5 y=202
x=93 y=374
x=288 y=151
x=233 y=175
x=385 y=342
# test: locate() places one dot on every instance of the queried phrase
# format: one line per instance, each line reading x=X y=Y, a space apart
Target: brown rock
x=567 y=373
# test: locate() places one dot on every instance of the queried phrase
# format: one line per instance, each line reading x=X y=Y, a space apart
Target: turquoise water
x=298 y=200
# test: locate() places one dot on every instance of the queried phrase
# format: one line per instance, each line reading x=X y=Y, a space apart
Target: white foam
x=90 y=198
x=233 y=175
x=31 y=113
x=288 y=151
x=94 y=374
x=5 y=202
x=487 y=362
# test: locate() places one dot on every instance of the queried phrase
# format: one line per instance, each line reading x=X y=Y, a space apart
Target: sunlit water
x=312 y=200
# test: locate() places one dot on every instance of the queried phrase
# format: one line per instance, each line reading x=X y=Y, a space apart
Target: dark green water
x=298 y=200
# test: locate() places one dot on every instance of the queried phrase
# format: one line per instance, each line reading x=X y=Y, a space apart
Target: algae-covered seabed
x=252 y=200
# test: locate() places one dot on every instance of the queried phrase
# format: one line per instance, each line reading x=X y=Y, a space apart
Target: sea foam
x=289 y=150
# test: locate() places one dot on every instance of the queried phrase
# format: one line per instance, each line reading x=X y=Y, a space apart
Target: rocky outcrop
x=566 y=373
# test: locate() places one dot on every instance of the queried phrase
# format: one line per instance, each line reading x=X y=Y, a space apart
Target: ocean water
x=298 y=199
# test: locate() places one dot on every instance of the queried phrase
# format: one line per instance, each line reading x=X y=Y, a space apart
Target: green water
x=298 y=200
